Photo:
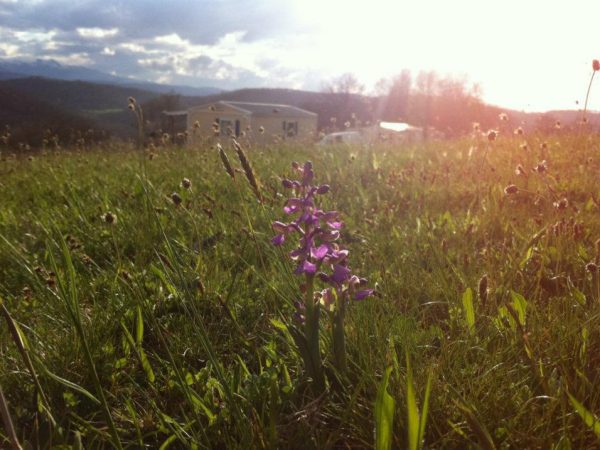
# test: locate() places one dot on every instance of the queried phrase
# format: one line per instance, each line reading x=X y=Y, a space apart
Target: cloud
x=97 y=33
x=209 y=42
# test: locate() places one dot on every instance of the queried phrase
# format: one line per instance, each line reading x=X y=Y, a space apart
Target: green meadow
x=135 y=318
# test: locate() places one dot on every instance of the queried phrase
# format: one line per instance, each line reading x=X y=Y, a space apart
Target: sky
x=527 y=54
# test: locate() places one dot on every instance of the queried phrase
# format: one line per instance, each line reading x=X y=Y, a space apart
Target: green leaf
x=279 y=324
x=412 y=409
x=146 y=365
x=520 y=305
x=528 y=255
x=588 y=417
x=579 y=296
x=467 y=301
x=384 y=414
x=425 y=412
x=73 y=386
x=139 y=327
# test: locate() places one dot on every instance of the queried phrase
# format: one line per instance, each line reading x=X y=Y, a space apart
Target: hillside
x=28 y=118
x=103 y=106
x=10 y=69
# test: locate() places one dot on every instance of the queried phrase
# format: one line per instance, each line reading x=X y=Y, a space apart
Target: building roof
x=264 y=109
x=175 y=113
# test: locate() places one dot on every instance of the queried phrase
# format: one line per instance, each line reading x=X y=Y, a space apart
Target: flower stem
x=312 y=332
x=587 y=95
x=339 y=339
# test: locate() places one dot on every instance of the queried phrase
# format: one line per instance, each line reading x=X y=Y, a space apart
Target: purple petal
x=323 y=189
x=306 y=267
x=278 y=240
x=287 y=183
x=340 y=274
x=339 y=255
x=361 y=295
x=310 y=267
x=335 y=225
x=320 y=252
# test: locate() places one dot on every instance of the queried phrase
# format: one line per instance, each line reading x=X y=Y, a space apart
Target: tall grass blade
x=425 y=412
x=467 y=301
x=384 y=414
x=412 y=409
x=7 y=421
x=588 y=417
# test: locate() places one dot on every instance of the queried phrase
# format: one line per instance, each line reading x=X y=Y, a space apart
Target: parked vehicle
x=343 y=137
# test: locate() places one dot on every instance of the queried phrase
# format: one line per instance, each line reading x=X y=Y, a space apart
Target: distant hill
x=28 y=118
x=101 y=106
x=10 y=69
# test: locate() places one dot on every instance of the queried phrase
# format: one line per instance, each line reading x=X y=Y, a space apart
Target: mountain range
x=48 y=68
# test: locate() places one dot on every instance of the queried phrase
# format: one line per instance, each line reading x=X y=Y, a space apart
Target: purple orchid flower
x=318 y=252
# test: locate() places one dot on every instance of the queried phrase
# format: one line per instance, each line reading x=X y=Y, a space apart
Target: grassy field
x=169 y=323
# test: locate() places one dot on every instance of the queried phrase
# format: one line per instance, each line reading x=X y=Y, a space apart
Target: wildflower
x=543 y=146
x=176 y=199
x=318 y=257
x=109 y=218
x=561 y=204
x=186 y=183
x=557 y=125
x=347 y=124
x=131 y=101
x=319 y=232
x=520 y=170
x=261 y=129
x=519 y=131
x=511 y=189
x=492 y=135
x=503 y=117
x=591 y=267
x=596 y=65
x=541 y=167
x=524 y=146
x=476 y=127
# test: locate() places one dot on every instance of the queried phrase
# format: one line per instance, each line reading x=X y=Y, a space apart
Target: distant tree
x=164 y=102
x=393 y=96
x=345 y=84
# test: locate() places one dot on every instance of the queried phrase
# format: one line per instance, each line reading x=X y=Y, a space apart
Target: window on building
x=290 y=129
x=226 y=126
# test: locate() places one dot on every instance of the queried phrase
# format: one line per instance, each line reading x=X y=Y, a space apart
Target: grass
x=168 y=327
